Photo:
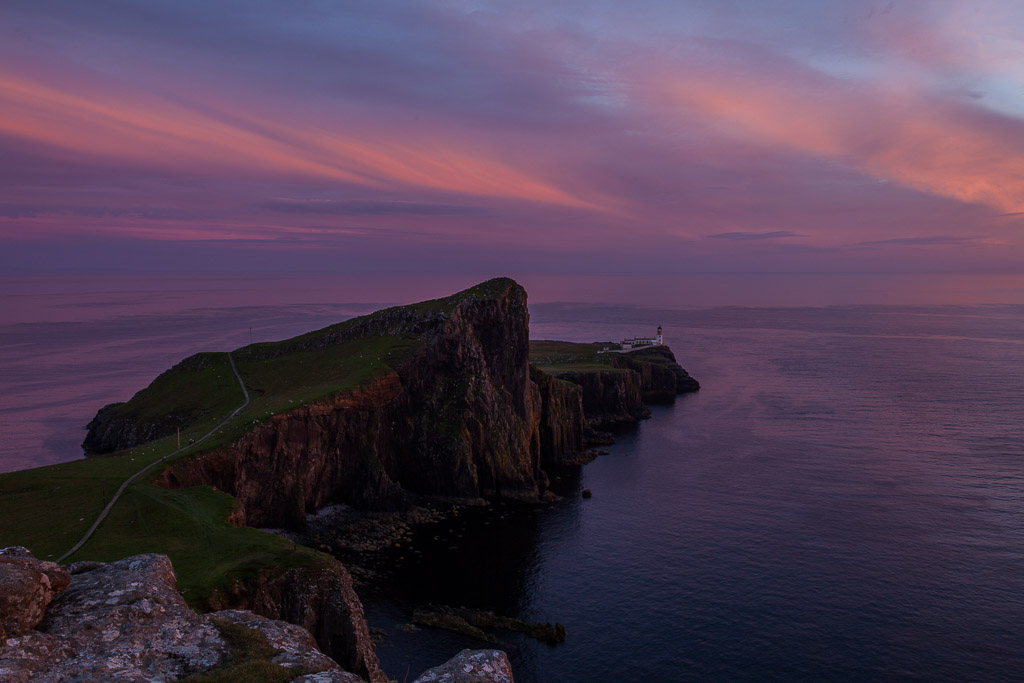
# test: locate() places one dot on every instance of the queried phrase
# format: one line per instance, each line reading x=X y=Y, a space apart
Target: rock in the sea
x=125 y=621
x=27 y=586
x=471 y=666
x=473 y=622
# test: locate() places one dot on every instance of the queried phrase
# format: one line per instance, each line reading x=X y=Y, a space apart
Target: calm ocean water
x=843 y=500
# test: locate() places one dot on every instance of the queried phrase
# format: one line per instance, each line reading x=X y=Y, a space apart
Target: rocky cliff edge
x=126 y=621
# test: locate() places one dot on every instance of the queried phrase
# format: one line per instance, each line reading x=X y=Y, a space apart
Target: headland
x=440 y=403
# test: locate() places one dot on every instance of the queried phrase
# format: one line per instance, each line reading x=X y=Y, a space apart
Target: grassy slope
x=47 y=509
x=557 y=357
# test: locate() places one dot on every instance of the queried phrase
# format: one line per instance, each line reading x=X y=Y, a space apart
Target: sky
x=521 y=136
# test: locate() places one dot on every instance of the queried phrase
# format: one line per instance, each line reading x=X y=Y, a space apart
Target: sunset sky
x=684 y=135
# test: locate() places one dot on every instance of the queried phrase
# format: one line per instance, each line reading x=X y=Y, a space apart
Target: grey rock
x=295 y=645
x=27 y=586
x=323 y=601
x=329 y=677
x=126 y=621
x=471 y=666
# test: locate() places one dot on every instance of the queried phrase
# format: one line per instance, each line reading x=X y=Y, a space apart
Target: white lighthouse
x=661 y=339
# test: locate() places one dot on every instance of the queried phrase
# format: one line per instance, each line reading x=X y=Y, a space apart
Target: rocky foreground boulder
x=126 y=621
x=471 y=666
x=27 y=586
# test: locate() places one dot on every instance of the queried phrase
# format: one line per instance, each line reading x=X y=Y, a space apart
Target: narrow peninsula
x=443 y=402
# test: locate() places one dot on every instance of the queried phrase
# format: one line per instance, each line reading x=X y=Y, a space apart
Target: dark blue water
x=843 y=499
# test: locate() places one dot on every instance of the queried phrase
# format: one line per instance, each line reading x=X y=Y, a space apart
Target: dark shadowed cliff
x=445 y=399
x=451 y=411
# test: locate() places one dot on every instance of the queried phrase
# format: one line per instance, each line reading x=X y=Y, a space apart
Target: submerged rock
x=472 y=622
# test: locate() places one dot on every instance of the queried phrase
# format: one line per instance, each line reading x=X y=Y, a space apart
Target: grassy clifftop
x=48 y=509
x=471 y=370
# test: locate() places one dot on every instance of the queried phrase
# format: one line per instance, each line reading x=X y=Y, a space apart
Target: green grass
x=48 y=509
x=561 y=368
x=195 y=388
x=546 y=348
x=190 y=526
x=249 y=660
x=555 y=357
x=484 y=290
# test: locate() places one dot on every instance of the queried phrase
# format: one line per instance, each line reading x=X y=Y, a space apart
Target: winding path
x=129 y=480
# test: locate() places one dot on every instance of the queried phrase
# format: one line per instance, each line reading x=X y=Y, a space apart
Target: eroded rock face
x=471 y=666
x=322 y=601
x=610 y=399
x=618 y=397
x=660 y=380
x=560 y=420
x=459 y=419
x=295 y=646
x=126 y=621
x=27 y=586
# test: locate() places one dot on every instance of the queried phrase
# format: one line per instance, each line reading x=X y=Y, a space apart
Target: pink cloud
x=96 y=120
x=890 y=131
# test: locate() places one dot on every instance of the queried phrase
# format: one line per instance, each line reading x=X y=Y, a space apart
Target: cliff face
x=611 y=398
x=126 y=621
x=460 y=418
x=117 y=426
x=95 y=622
x=321 y=600
x=561 y=420
x=617 y=396
x=661 y=377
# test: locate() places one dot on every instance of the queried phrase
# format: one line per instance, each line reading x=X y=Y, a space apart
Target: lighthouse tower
x=660 y=338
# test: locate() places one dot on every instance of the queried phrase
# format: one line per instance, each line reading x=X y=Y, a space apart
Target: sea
x=843 y=499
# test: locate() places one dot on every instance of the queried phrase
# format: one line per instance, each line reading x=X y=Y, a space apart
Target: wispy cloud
x=369 y=208
x=924 y=241
x=527 y=128
x=746 y=236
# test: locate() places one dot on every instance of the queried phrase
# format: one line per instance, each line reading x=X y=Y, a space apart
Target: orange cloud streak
x=145 y=129
x=891 y=135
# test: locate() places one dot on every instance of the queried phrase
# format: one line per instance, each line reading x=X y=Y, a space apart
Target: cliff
x=442 y=404
x=321 y=599
x=126 y=621
x=614 y=387
x=183 y=395
x=562 y=420
x=95 y=622
x=443 y=399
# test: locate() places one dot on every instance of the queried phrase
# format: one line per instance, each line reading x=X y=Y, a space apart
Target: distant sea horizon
x=840 y=501
x=71 y=343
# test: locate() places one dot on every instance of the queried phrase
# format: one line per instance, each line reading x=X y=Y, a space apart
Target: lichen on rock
x=126 y=621
x=27 y=586
x=471 y=666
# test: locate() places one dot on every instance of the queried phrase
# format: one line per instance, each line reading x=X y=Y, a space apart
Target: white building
x=641 y=342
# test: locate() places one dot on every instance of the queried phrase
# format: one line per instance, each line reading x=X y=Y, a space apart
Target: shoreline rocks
x=126 y=621
x=476 y=623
